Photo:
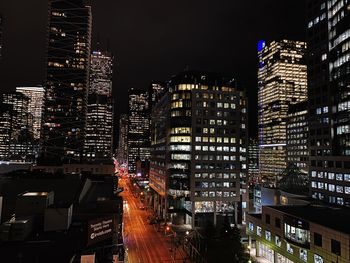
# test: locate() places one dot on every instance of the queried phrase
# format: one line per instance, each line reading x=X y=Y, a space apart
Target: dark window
x=318 y=239
x=267 y=219
x=335 y=247
x=278 y=222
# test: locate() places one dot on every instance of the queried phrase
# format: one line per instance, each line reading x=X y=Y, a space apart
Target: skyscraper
x=199 y=149
x=253 y=162
x=99 y=119
x=282 y=81
x=36 y=104
x=297 y=136
x=138 y=128
x=123 y=139
x=17 y=125
x=329 y=100
x=101 y=70
x=156 y=91
x=68 y=61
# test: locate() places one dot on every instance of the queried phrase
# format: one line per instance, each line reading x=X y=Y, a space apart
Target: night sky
x=155 y=39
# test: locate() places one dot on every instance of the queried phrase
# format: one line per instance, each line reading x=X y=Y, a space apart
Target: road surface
x=143 y=243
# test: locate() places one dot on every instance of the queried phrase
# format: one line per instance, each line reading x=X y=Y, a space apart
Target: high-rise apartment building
x=67 y=83
x=99 y=118
x=36 y=104
x=18 y=144
x=282 y=81
x=138 y=128
x=123 y=139
x=297 y=136
x=199 y=149
x=329 y=100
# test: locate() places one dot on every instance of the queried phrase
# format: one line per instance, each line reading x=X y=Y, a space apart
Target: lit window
x=318 y=259
x=258 y=230
x=290 y=248
x=268 y=235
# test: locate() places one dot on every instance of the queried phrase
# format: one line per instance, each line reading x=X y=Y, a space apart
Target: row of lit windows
x=331 y=187
x=215 y=148
x=215 y=176
x=331 y=176
x=214 y=194
x=216 y=139
x=217 y=166
x=217 y=157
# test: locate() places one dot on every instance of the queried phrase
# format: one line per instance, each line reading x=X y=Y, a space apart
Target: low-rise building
x=299 y=234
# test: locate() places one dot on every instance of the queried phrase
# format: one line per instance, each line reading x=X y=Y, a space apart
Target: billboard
x=100 y=229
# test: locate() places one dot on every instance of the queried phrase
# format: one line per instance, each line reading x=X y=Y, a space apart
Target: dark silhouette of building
x=68 y=60
x=328 y=37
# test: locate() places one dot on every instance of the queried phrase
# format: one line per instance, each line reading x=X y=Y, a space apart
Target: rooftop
x=331 y=217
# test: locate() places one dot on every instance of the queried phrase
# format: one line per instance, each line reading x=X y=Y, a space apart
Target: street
x=143 y=244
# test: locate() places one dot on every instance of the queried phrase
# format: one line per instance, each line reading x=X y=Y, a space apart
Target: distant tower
x=16 y=122
x=36 y=104
x=68 y=64
x=282 y=81
x=138 y=128
x=99 y=119
x=123 y=139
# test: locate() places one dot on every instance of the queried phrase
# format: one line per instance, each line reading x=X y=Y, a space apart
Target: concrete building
x=282 y=81
x=329 y=100
x=297 y=234
x=199 y=150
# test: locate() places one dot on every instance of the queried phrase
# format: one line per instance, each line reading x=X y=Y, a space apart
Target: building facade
x=199 y=149
x=98 y=142
x=282 y=81
x=329 y=102
x=297 y=136
x=123 y=139
x=67 y=83
x=17 y=128
x=138 y=128
x=253 y=162
x=36 y=104
x=299 y=234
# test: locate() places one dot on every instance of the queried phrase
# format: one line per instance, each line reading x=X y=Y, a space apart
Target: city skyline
x=236 y=26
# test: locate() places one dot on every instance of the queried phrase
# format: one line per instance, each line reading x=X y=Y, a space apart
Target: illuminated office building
x=123 y=139
x=67 y=83
x=297 y=136
x=99 y=117
x=199 y=150
x=328 y=37
x=282 y=81
x=101 y=70
x=138 y=128
x=36 y=104
x=16 y=120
